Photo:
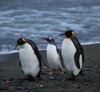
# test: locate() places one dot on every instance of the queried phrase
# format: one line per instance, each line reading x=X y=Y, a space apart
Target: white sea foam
x=8 y=52
x=90 y=43
x=36 y=23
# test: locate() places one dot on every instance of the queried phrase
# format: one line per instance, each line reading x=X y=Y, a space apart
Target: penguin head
x=50 y=40
x=21 y=41
x=68 y=33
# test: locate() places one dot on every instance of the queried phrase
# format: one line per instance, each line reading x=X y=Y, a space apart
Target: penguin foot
x=50 y=72
x=38 y=76
x=62 y=71
x=72 y=78
x=82 y=73
x=30 y=78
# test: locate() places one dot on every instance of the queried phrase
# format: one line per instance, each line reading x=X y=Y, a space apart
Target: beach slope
x=11 y=75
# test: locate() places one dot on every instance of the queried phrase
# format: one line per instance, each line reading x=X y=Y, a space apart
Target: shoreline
x=11 y=75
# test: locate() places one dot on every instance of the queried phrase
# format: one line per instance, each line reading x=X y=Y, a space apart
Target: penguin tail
x=38 y=76
x=43 y=60
x=81 y=73
x=29 y=77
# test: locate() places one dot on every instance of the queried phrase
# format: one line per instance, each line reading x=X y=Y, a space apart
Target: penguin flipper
x=20 y=64
x=82 y=56
x=79 y=51
x=62 y=63
x=36 y=51
x=60 y=55
x=76 y=57
x=78 y=46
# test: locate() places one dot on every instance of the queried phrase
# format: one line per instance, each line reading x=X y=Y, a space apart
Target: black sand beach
x=11 y=76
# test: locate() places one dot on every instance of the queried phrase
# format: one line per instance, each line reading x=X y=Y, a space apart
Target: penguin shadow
x=57 y=76
x=28 y=78
x=54 y=76
x=71 y=77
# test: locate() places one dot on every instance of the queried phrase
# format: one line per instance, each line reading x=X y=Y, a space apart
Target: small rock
x=41 y=85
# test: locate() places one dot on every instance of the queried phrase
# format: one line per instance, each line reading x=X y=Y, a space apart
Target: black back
x=36 y=51
x=52 y=41
x=79 y=51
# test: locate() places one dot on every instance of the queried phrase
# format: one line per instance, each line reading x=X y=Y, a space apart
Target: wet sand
x=11 y=75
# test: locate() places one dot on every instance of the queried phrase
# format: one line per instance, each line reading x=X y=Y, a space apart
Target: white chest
x=68 y=47
x=53 y=56
x=68 y=51
x=29 y=61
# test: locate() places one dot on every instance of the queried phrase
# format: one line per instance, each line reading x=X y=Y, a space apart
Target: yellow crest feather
x=23 y=39
x=73 y=33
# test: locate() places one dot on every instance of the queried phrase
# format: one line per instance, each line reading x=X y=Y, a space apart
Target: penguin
x=30 y=58
x=72 y=53
x=53 y=56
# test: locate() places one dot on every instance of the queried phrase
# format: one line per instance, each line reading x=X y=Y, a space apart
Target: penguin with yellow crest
x=30 y=58
x=72 y=53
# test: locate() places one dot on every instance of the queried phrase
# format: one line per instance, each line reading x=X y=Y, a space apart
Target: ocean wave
x=6 y=51
x=35 y=23
x=12 y=51
x=90 y=43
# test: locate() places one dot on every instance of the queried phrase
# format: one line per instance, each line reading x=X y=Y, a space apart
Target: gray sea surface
x=35 y=19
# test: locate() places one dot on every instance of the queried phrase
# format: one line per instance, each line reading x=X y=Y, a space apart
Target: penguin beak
x=62 y=34
x=16 y=47
x=45 y=39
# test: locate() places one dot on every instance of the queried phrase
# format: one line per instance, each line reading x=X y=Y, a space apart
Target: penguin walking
x=30 y=58
x=53 y=56
x=72 y=53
